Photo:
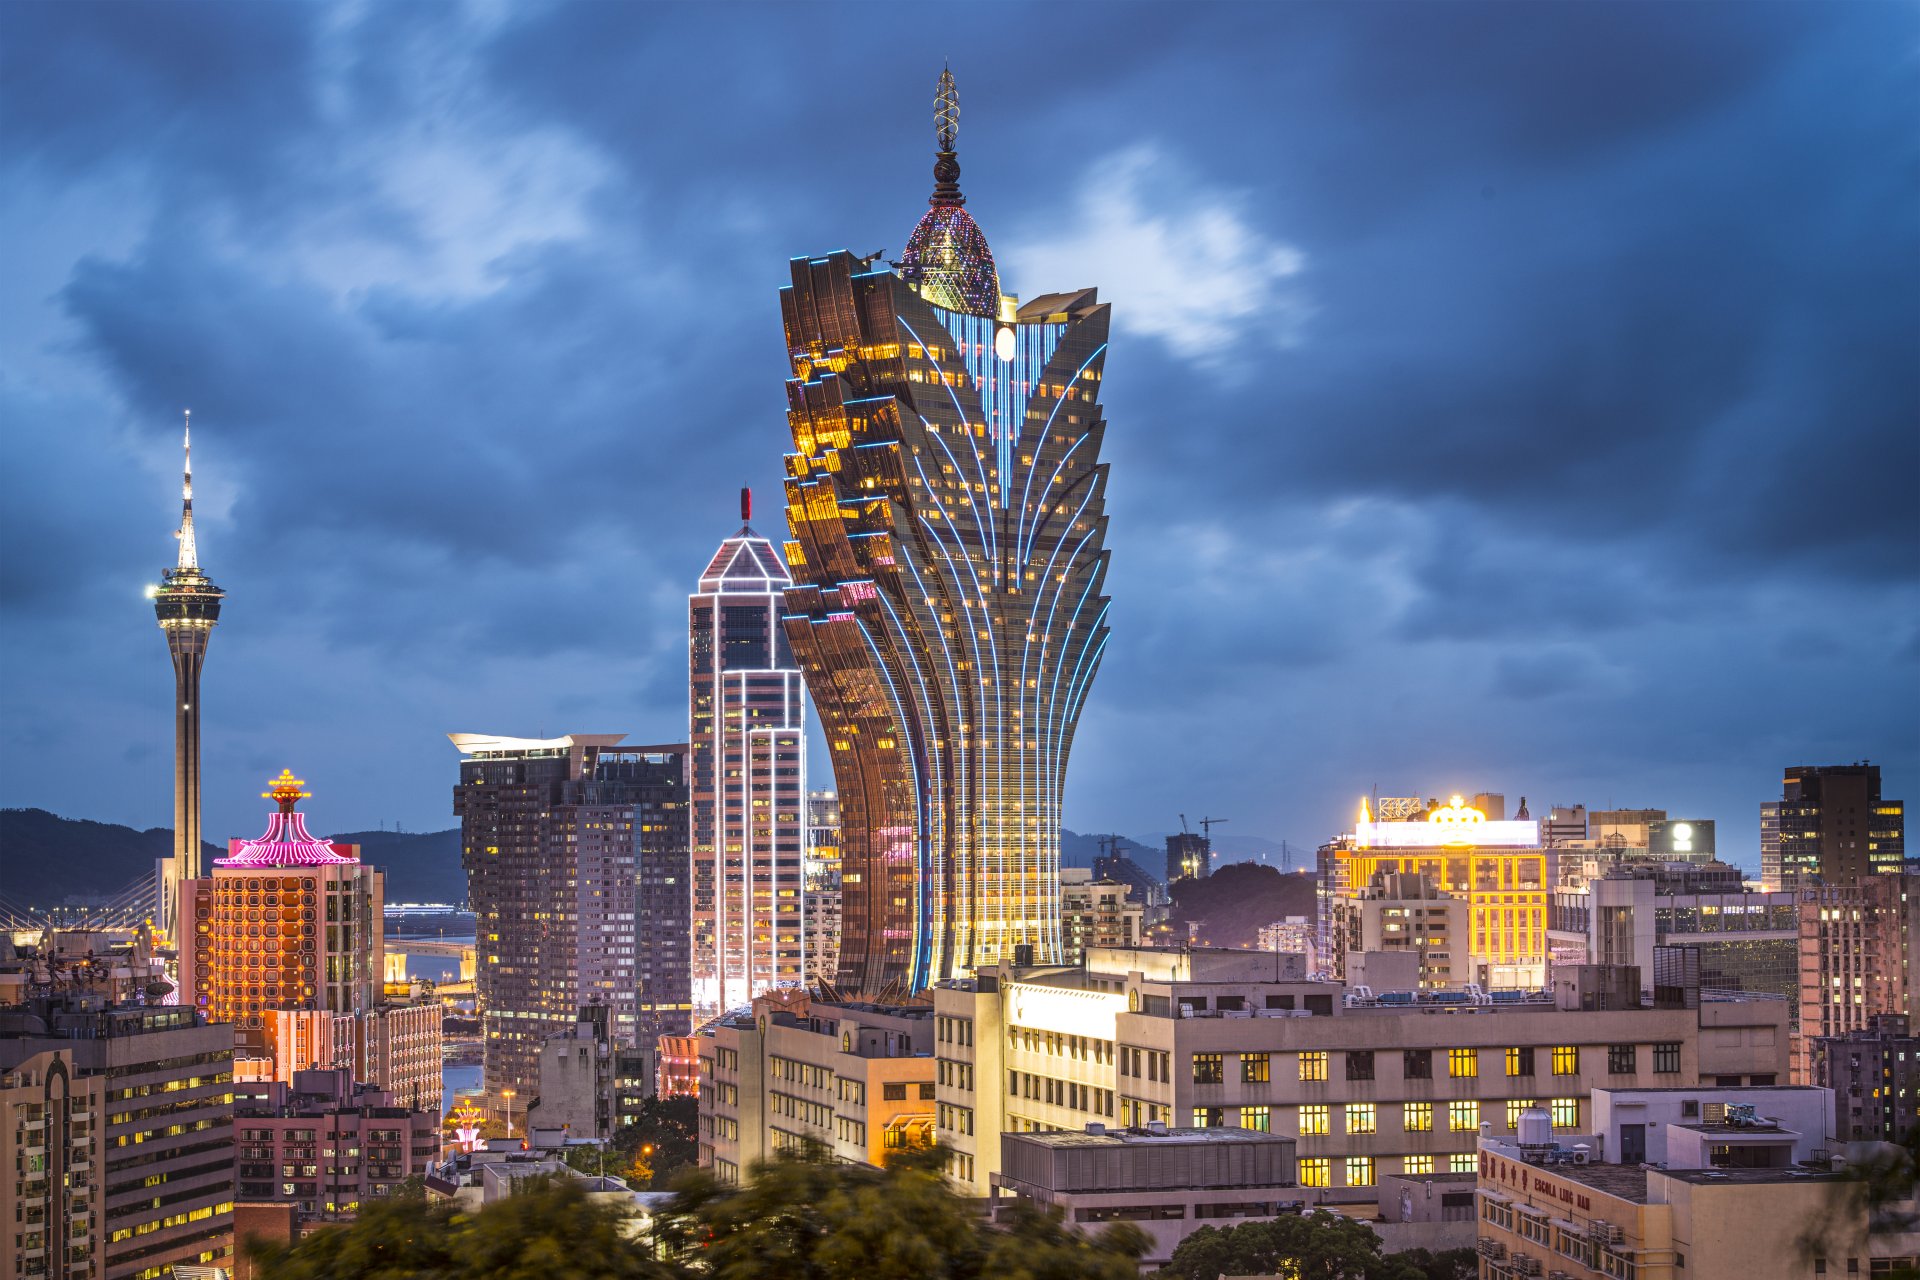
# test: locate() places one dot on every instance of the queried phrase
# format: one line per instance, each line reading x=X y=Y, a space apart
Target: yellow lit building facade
x=1497 y=867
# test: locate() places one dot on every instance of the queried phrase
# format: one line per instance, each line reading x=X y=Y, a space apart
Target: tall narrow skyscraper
x=187 y=605
x=746 y=726
x=947 y=505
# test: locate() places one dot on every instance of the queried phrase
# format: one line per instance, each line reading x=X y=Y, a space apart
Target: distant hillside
x=421 y=866
x=1078 y=850
x=46 y=859
x=1233 y=903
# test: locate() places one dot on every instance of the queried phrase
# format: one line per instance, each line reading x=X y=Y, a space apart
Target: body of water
x=456 y=1079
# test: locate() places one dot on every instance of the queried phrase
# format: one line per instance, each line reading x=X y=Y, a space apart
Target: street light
x=508 y=1095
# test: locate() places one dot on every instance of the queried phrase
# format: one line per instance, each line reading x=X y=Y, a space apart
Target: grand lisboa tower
x=946 y=500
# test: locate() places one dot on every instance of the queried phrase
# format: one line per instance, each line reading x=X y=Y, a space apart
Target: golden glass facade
x=947 y=506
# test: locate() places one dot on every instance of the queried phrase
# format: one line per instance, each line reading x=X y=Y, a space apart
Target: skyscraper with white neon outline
x=946 y=501
x=746 y=727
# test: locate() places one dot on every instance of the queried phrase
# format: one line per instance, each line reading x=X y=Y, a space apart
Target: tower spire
x=946 y=127
x=189 y=553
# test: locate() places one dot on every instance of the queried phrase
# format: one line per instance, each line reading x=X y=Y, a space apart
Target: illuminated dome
x=286 y=843
x=949 y=263
x=947 y=259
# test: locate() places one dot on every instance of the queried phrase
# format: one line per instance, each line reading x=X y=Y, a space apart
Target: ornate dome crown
x=947 y=259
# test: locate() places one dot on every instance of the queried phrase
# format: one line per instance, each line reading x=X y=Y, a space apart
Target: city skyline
x=1343 y=560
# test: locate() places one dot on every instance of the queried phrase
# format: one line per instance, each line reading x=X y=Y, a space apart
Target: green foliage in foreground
x=1314 y=1246
x=799 y=1219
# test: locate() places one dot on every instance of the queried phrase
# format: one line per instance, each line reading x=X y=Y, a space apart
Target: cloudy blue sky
x=1501 y=396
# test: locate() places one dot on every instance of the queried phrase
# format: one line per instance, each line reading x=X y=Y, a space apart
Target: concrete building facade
x=1096 y=913
x=1215 y=1038
x=328 y=1145
x=1874 y=1073
x=856 y=1079
x=1857 y=944
x=116 y=1125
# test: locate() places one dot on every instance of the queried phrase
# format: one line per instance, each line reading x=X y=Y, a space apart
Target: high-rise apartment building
x=187 y=605
x=1097 y=912
x=1400 y=911
x=822 y=932
x=1857 y=958
x=576 y=853
x=1875 y=1077
x=1836 y=827
x=285 y=921
x=947 y=506
x=117 y=1124
x=747 y=737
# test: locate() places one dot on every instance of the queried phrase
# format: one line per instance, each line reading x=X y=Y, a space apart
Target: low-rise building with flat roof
x=1169 y=1182
x=854 y=1078
x=1228 y=1039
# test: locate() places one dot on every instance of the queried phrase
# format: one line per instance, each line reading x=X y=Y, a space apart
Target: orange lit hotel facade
x=1498 y=867
x=284 y=922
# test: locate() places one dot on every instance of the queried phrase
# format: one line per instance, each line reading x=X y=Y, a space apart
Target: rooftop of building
x=1118 y=1137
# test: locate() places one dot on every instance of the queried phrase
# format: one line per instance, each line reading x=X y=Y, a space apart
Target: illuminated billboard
x=1450 y=824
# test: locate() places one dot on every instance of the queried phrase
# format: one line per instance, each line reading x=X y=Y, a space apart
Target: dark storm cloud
x=1503 y=396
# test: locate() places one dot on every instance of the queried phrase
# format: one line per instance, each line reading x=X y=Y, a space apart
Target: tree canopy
x=1314 y=1246
x=800 y=1218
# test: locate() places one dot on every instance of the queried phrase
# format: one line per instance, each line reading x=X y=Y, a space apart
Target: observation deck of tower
x=946 y=506
x=187 y=605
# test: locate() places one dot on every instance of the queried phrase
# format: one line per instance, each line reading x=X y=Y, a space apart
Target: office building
x=1237 y=1039
x=854 y=1079
x=187 y=606
x=577 y=867
x=947 y=505
x=1874 y=1074
x=1835 y=827
x=1169 y=1182
x=1857 y=944
x=1770 y=845
x=1564 y=825
x=1096 y=913
x=823 y=836
x=1725 y=1192
x=746 y=726
x=327 y=1144
x=117 y=1123
x=1746 y=941
x=1496 y=865
x=393 y=1047
x=286 y=921
x=1405 y=912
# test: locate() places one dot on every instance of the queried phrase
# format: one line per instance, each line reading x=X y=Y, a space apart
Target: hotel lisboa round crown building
x=947 y=504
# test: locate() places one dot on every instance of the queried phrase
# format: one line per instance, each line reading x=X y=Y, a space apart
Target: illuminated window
x=1418 y=1117
x=1313 y=1065
x=1260 y=1118
x=1207 y=1068
x=1463 y=1117
x=1209 y=1117
x=1316 y=1172
x=1360 y=1118
x=1514 y=1107
x=1359 y=1171
x=1520 y=1062
x=1256 y=1068
x=1313 y=1120
x=1566 y=1113
x=1566 y=1060
x=1463 y=1063
x=1461 y=1163
x=1419 y=1164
